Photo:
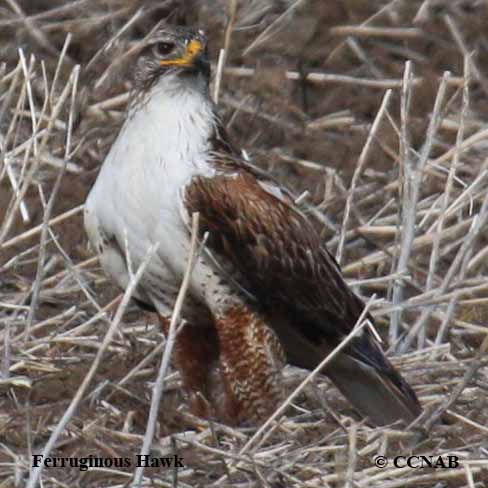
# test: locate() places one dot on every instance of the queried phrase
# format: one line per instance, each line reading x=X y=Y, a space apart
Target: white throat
x=176 y=118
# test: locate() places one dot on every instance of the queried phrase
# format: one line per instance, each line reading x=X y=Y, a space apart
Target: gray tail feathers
x=361 y=372
x=382 y=396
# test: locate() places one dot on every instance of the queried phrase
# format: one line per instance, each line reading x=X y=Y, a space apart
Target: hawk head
x=171 y=49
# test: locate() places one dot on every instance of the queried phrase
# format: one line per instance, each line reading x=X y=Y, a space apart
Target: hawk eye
x=162 y=49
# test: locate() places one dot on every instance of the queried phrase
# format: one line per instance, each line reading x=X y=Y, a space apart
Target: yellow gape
x=193 y=48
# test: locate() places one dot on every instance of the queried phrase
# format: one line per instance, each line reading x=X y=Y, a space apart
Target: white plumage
x=136 y=200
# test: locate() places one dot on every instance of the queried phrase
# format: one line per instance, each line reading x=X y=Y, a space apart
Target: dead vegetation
x=377 y=108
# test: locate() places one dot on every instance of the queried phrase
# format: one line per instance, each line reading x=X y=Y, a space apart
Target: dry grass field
x=378 y=109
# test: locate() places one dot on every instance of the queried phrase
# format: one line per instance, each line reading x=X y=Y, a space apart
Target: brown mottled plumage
x=264 y=287
x=278 y=256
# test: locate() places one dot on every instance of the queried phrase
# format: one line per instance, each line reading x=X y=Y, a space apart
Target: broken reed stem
x=38 y=149
x=413 y=174
x=170 y=340
x=419 y=328
x=352 y=455
x=10 y=211
x=73 y=82
x=468 y=376
x=320 y=78
x=405 y=104
x=268 y=32
x=218 y=76
x=359 y=168
x=366 y=31
x=37 y=470
x=477 y=224
x=457 y=36
x=445 y=202
x=229 y=28
x=38 y=228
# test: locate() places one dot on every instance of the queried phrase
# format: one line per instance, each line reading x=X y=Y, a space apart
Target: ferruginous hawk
x=264 y=288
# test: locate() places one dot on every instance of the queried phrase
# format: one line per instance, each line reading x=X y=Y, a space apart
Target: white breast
x=162 y=145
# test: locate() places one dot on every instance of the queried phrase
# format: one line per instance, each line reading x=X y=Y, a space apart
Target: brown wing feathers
x=275 y=249
x=278 y=257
